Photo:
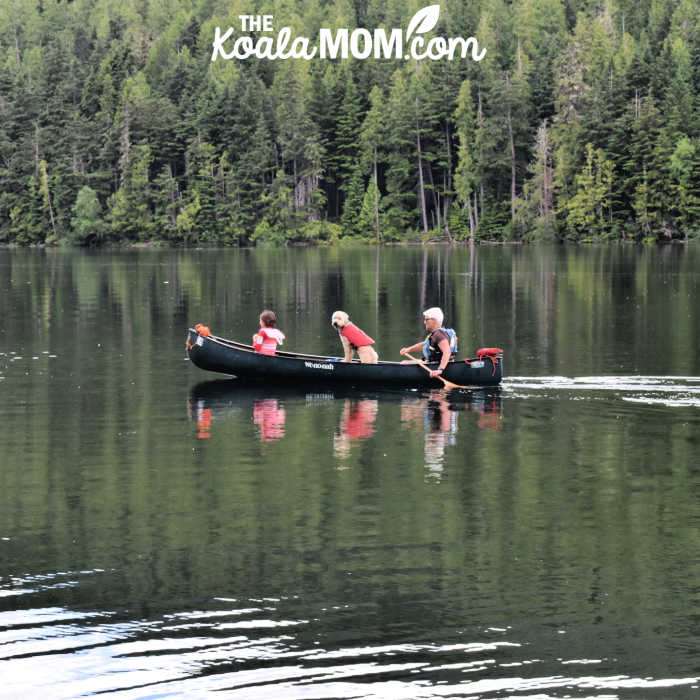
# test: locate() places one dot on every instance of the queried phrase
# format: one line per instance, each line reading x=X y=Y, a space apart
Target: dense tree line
x=581 y=122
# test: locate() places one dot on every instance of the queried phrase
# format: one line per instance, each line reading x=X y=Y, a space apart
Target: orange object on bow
x=492 y=353
x=489 y=352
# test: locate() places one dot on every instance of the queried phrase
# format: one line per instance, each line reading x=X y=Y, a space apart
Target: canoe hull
x=234 y=359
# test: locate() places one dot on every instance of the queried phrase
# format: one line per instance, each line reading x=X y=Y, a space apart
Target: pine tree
x=465 y=176
x=300 y=147
x=88 y=225
x=166 y=203
x=372 y=136
x=351 y=175
x=589 y=208
x=400 y=170
x=535 y=210
x=201 y=194
x=684 y=166
x=130 y=212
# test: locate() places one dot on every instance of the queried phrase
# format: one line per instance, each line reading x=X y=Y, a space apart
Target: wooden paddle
x=448 y=385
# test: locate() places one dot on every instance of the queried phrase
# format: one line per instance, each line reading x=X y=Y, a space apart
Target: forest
x=580 y=123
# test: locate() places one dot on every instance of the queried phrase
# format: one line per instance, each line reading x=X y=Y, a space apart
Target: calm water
x=167 y=534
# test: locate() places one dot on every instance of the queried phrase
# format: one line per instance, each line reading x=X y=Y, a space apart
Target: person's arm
x=444 y=346
x=258 y=339
x=412 y=348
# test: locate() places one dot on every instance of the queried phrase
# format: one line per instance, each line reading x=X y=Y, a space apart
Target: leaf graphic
x=424 y=20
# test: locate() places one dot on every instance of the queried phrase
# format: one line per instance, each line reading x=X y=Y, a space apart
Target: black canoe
x=216 y=354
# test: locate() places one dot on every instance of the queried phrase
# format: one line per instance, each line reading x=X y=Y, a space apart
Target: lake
x=165 y=532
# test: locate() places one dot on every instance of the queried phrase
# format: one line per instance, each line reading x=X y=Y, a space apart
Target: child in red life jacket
x=265 y=341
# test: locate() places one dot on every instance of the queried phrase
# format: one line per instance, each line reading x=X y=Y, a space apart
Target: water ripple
x=663 y=390
x=193 y=653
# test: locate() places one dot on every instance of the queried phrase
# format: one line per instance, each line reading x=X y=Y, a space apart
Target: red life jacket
x=357 y=337
x=267 y=340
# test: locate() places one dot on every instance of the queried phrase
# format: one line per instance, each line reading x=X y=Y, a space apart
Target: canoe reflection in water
x=433 y=413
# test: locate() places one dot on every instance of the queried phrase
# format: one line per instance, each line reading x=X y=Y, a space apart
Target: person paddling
x=439 y=344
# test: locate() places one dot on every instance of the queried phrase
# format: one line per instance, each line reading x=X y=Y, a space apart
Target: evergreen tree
x=400 y=196
x=88 y=225
x=535 y=210
x=351 y=176
x=465 y=175
x=589 y=208
x=127 y=103
x=300 y=147
x=130 y=212
x=372 y=136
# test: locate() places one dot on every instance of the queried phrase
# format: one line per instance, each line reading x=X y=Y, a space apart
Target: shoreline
x=164 y=245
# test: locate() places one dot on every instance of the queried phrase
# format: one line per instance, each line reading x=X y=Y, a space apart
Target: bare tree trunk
x=447 y=201
x=509 y=121
x=448 y=144
x=472 y=222
x=421 y=185
x=172 y=218
x=548 y=175
x=126 y=147
x=481 y=201
x=480 y=121
x=445 y=209
x=296 y=206
x=47 y=195
x=436 y=197
x=36 y=147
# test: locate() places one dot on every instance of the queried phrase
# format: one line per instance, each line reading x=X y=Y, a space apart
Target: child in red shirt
x=268 y=337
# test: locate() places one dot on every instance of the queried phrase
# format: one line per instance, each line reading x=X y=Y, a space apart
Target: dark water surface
x=166 y=535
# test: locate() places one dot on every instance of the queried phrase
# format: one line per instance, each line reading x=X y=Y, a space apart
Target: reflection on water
x=269 y=417
x=667 y=391
x=439 y=425
x=203 y=421
x=434 y=414
x=356 y=425
x=315 y=542
x=259 y=648
x=438 y=415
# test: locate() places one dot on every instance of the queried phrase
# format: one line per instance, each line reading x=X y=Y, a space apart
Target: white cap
x=434 y=312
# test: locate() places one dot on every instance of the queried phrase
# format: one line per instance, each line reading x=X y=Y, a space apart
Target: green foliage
x=130 y=210
x=126 y=102
x=87 y=226
x=589 y=208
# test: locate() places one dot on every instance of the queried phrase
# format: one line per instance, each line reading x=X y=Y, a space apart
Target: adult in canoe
x=438 y=346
